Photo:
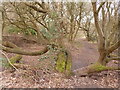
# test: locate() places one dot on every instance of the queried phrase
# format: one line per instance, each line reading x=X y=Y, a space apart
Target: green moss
x=68 y=66
x=63 y=63
x=4 y=62
x=15 y=58
x=97 y=67
x=60 y=64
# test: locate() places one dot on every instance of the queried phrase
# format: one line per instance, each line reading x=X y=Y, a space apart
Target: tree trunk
x=96 y=67
x=1 y=24
x=88 y=35
x=101 y=43
x=102 y=58
x=64 y=63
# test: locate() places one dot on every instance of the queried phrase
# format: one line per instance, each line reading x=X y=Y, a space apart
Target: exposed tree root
x=97 y=67
x=9 y=44
x=12 y=48
x=24 y=52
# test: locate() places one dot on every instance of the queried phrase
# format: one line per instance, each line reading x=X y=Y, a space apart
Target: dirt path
x=82 y=55
x=85 y=53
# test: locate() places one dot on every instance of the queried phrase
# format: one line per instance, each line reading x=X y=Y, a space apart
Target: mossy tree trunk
x=64 y=63
x=96 y=67
x=103 y=48
x=104 y=51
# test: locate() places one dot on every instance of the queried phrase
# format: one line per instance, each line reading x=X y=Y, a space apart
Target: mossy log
x=64 y=63
x=96 y=67
x=8 y=63
x=15 y=59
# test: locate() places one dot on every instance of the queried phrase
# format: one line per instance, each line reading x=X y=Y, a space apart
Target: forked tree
x=107 y=28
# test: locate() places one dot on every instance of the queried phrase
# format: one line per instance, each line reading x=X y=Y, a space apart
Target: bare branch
x=114 y=47
x=100 y=6
x=100 y=32
x=40 y=5
x=113 y=58
x=38 y=20
x=35 y=8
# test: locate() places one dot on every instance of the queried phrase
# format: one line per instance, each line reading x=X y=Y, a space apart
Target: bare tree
x=42 y=18
x=108 y=42
x=103 y=50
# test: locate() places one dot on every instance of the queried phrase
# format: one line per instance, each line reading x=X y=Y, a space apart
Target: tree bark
x=12 y=48
x=96 y=67
x=101 y=42
x=64 y=63
x=103 y=50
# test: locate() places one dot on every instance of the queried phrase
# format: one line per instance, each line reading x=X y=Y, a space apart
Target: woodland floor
x=83 y=54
